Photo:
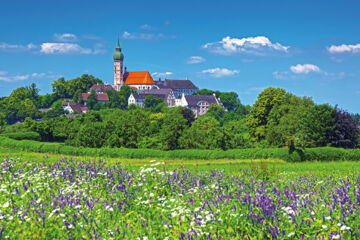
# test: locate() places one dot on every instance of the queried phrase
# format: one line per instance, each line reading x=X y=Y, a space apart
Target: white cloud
x=195 y=60
x=148 y=27
x=220 y=72
x=161 y=75
x=6 y=77
x=304 y=69
x=65 y=37
x=145 y=36
x=344 y=48
x=16 y=47
x=64 y=48
x=252 y=45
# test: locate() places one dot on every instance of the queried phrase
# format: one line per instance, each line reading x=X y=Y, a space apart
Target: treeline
x=136 y=127
x=277 y=119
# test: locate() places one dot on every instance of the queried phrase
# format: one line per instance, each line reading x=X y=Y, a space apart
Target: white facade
x=144 y=86
x=68 y=108
x=133 y=100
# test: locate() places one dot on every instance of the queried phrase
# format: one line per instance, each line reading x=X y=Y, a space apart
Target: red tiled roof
x=138 y=78
x=100 y=96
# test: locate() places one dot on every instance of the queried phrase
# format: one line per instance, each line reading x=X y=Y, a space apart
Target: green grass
x=229 y=166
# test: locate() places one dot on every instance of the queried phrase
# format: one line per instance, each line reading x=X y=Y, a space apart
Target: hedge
x=23 y=135
x=311 y=154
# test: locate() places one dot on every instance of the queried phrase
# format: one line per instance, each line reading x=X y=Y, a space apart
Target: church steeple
x=118 y=55
x=118 y=67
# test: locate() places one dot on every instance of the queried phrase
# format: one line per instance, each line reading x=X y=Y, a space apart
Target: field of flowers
x=72 y=199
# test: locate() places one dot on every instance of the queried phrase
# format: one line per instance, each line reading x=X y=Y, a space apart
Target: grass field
x=229 y=166
x=48 y=196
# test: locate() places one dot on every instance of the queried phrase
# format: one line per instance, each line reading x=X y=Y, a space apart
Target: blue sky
x=310 y=48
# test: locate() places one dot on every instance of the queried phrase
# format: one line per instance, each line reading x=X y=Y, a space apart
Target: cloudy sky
x=310 y=48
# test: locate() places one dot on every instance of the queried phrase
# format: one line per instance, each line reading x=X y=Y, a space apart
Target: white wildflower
x=324 y=226
x=291 y=234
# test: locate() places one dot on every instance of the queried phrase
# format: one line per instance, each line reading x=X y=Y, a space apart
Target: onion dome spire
x=118 y=55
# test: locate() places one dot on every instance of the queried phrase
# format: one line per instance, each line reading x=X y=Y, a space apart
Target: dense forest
x=277 y=119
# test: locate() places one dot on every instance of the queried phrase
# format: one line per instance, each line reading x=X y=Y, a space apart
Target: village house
x=166 y=94
x=100 y=97
x=199 y=104
x=100 y=88
x=72 y=107
x=179 y=87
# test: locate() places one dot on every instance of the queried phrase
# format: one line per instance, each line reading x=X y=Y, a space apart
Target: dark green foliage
x=119 y=99
x=188 y=115
x=69 y=88
x=317 y=125
x=45 y=101
x=173 y=126
x=284 y=119
x=258 y=117
x=21 y=104
x=91 y=100
x=91 y=134
x=204 y=133
x=154 y=104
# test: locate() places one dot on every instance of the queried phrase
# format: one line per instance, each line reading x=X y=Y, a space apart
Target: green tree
x=68 y=88
x=284 y=119
x=60 y=88
x=91 y=100
x=258 y=117
x=235 y=135
x=45 y=101
x=154 y=104
x=204 y=133
x=91 y=134
x=119 y=99
x=316 y=126
x=127 y=128
x=78 y=97
x=173 y=126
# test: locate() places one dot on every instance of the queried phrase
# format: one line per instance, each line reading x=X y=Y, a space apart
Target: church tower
x=118 y=67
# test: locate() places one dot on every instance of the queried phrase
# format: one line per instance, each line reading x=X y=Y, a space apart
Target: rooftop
x=101 y=87
x=100 y=96
x=193 y=100
x=138 y=78
x=176 y=84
